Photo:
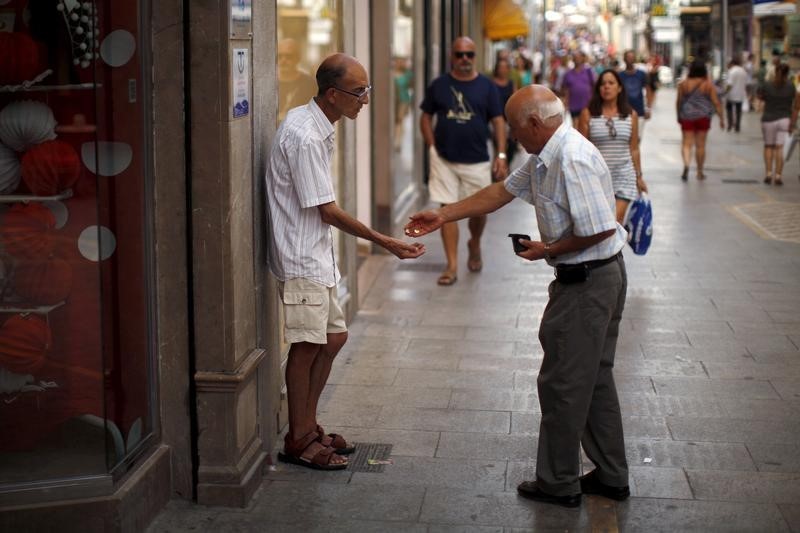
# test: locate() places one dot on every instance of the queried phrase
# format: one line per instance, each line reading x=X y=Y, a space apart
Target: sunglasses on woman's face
x=460 y=55
x=611 y=129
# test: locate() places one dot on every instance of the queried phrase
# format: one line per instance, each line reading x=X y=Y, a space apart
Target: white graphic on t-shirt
x=461 y=111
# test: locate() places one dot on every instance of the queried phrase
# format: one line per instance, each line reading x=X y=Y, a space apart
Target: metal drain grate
x=359 y=460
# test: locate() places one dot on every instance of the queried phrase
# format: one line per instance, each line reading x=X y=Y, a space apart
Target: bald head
x=463 y=42
x=335 y=68
x=535 y=101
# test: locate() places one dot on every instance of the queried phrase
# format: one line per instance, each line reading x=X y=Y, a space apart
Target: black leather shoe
x=591 y=485
x=529 y=489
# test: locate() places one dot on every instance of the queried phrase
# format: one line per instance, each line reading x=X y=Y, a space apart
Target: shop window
x=75 y=341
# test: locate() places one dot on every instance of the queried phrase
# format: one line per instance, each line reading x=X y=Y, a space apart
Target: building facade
x=141 y=356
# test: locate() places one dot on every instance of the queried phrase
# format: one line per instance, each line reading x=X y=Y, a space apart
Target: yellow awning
x=503 y=19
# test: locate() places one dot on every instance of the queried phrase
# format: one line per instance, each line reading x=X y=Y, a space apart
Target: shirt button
x=303 y=301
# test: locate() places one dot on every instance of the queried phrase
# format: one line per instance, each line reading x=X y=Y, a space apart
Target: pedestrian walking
x=302 y=209
x=781 y=102
x=501 y=76
x=522 y=69
x=464 y=103
x=697 y=100
x=637 y=88
x=611 y=124
x=577 y=87
x=569 y=185
x=735 y=94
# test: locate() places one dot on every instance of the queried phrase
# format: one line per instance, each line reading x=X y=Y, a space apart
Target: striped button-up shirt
x=570 y=186
x=299 y=180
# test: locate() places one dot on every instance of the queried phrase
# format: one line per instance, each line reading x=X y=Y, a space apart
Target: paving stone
x=752 y=370
x=791 y=513
x=443 y=506
x=342 y=396
x=667 y=515
x=380 y=344
x=464 y=529
x=760 y=409
x=772 y=457
x=485 y=362
x=760 y=487
x=655 y=482
x=486 y=446
x=684 y=353
x=495 y=400
x=303 y=502
x=463 y=379
x=734 y=430
x=697 y=455
x=661 y=406
x=416 y=332
x=503 y=333
x=332 y=415
x=430 y=472
x=460 y=347
x=657 y=367
x=789 y=389
x=398 y=417
x=350 y=375
x=239 y=523
x=723 y=388
x=403 y=360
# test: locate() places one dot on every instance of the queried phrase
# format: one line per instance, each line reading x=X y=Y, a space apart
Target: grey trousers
x=577 y=393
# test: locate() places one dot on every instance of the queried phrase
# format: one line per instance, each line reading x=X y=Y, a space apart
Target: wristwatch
x=501 y=155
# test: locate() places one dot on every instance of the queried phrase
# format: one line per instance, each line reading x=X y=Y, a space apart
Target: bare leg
x=687 y=142
x=777 y=156
x=321 y=369
x=476 y=225
x=700 y=152
x=769 y=150
x=298 y=384
x=450 y=242
x=622 y=207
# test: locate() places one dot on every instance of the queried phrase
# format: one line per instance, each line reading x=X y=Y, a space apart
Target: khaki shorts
x=310 y=311
x=451 y=182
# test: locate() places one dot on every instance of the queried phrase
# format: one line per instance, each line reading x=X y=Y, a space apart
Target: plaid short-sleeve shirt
x=569 y=185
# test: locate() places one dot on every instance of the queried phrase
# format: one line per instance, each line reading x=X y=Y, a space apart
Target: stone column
x=225 y=285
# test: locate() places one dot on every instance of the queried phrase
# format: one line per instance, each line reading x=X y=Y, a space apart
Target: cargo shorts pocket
x=303 y=309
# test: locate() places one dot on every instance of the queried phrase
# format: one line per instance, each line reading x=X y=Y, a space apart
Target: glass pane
x=403 y=96
x=74 y=372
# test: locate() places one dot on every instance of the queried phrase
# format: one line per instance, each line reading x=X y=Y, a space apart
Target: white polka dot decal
x=106 y=158
x=97 y=243
x=118 y=48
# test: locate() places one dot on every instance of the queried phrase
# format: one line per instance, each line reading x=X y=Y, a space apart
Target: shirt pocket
x=302 y=309
x=553 y=219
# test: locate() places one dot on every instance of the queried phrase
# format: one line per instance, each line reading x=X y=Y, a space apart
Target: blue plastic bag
x=639 y=224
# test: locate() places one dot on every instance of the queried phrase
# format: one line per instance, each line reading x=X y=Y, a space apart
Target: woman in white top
x=611 y=124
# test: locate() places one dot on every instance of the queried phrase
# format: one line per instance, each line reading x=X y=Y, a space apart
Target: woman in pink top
x=577 y=87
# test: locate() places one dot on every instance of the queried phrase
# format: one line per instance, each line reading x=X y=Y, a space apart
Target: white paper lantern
x=10 y=170
x=26 y=123
x=118 y=48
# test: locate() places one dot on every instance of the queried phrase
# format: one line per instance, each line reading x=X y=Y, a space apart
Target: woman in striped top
x=611 y=124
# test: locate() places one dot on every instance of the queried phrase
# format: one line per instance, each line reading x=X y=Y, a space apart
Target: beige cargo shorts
x=310 y=311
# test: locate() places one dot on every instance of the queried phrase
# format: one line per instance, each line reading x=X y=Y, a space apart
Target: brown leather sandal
x=309 y=452
x=335 y=441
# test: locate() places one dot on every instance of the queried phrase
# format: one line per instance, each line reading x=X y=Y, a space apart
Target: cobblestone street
x=708 y=370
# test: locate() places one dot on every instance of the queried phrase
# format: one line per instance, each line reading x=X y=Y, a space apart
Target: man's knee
x=335 y=343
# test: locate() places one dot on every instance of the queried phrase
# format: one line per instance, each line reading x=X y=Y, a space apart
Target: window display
x=75 y=372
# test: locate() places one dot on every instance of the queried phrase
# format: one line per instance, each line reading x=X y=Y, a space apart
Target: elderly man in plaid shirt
x=569 y=184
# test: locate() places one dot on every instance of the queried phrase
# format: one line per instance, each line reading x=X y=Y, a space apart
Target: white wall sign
x=240 y=68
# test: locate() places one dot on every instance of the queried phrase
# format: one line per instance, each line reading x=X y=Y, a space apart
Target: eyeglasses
x=611 y=129
x=460 y=55
x=359 y=95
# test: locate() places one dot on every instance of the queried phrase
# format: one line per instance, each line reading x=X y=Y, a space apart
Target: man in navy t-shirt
x=635 y=82
x=464 y=103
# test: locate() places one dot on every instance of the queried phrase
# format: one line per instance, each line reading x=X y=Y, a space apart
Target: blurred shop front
x=141 y=354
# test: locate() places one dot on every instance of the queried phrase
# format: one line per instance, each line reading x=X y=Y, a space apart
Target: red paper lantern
x=50 y=167
x=27 y=231
x=44 y=282
x=24 y=342
x=20 y=58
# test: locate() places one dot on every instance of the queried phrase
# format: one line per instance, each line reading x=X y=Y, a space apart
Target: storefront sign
x=240 y=68
x=241 y=18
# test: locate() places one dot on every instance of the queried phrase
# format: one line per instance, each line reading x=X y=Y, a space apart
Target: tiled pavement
x=708 y=369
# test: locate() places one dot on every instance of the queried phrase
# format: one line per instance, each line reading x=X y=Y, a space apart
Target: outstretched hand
x=423 y=223
x=404 y=250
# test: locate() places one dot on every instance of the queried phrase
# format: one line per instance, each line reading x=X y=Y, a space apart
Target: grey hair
x=550 y=112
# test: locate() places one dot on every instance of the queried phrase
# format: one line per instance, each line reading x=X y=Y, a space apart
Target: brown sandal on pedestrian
x=447 y=278
x=778 y=180
x=311 y=453
x=335 y=441
x=768 y=180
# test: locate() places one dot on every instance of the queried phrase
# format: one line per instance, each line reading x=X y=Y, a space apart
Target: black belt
x=578 y=272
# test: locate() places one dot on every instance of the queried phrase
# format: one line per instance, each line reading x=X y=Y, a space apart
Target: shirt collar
x=321 y=120
x=552 y=146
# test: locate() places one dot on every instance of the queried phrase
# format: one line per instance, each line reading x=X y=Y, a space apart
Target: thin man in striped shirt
x=302 y=209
